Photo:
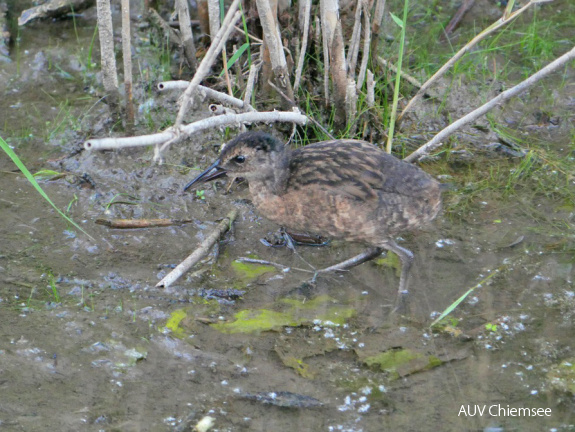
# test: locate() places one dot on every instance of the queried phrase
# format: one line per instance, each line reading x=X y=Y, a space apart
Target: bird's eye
x=240 y=159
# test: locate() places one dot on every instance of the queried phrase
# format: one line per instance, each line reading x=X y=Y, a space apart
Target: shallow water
x=88 y=343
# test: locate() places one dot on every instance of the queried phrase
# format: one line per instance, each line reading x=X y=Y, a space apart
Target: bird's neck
x=273 y=178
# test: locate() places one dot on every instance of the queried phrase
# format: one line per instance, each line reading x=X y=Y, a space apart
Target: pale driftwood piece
x=353 y=50
x=208 y=92
x=505 y=19
x=251 y=82
x=305 y=10
x=202 y=250
x=273 y=42
x=106 y=35
x=366 y=45
x=127 y=59
x=168 y=136
x=186 y=32
x=507 y=94
x=410 y=79
x=218 y=42
x=370 y=89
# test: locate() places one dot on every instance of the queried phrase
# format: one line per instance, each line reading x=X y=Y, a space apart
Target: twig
x=218 y=43
x=505 y=19
x=410 y=79
x=353 y=50
x=214 y=16
x=127 y=56
x=186 y=32
x=376 y=24
x=519 y=88
x=370 y=89
x=202 y=250
x=274 y=44
x=171 y=135
x=305 y=6
x=208 y=92
x=467 y=4
x=251 y=81
x=366 y=45
x=106 y=33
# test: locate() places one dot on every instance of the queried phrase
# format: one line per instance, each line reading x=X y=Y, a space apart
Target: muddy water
x=88 y=343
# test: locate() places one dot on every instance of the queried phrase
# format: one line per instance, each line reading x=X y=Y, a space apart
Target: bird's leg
x=406 y=257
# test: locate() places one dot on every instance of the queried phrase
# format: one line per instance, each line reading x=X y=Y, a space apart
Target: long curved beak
x=214 y=171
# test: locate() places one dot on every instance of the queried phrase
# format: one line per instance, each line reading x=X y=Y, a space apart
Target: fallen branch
x=472 y=116
x=171 y=136
x=202 y=250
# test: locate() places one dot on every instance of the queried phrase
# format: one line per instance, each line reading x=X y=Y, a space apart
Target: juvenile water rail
x=344 y=189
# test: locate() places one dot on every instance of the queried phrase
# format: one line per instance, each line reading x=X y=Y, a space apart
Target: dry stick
x=376 y=24
x=218 y=43
x=106 y=35
x=366 y=45
x=208 y=92
x=519 y=88
x=336 y=51
x=202 y=250
x=370 y=89
x=254 y=69
x=467 y=4
x=186 y=32
x=305 y=9
x=127 y=56
x=353 y=50
x=251 y=36
x=493 y=27
x=324 y=40
x=214 y=14
x=410 y=79
x=274 y=44
x=171 y=135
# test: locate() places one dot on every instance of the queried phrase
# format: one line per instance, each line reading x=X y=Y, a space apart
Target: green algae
x=402 y=362
x=320 y=310
x=249 y=271
x=173 y=323
x=561 y=377
x=255 y=321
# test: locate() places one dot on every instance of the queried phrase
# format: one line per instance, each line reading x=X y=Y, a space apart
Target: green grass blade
x=34 y=183
x=235 y=57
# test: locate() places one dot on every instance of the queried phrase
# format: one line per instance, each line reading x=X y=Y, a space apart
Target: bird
x=343 y=189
